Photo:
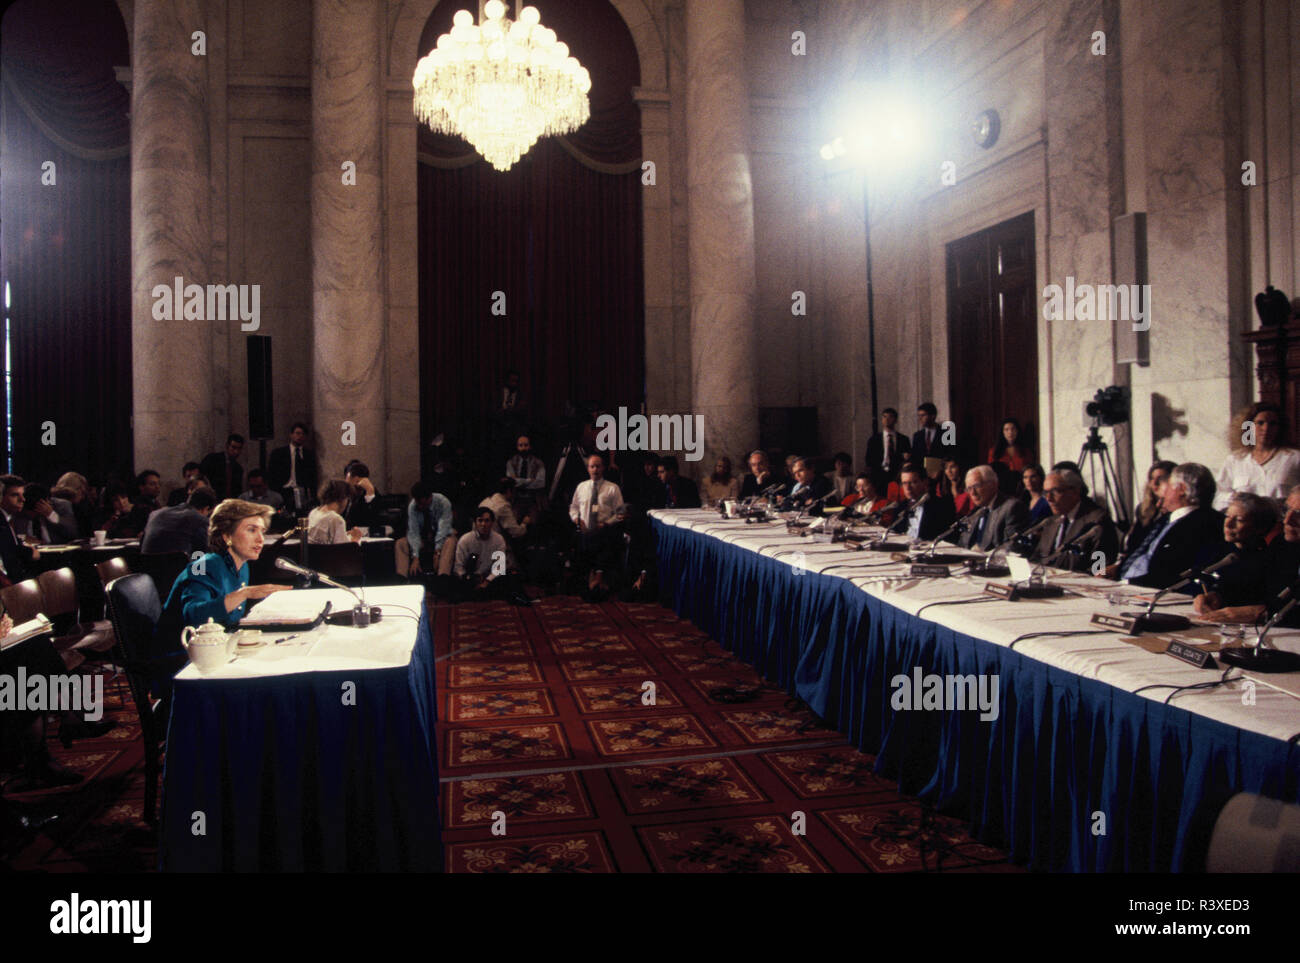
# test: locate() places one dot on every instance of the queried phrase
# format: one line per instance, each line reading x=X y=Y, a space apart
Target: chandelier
x=501 y=84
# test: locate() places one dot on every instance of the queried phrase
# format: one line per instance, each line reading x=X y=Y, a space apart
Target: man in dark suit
x=808 y=488
x=223 y=470
x=1187 y=537
x=928 y=440
x=179 y=495
x=997 y=518
x=886 y=450
x=679 y=492
x=363 y=510
x=15 y=554
x=180 y=528
x=928 y=520
x=760 y=475
x=40 y=520
x=292 y=472
x=1079 y=526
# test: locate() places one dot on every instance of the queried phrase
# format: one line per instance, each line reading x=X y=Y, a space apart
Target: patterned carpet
x=618 y=738
x=583 y=738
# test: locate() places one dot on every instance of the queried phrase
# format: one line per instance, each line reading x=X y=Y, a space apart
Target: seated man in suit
x=223 y=470
x=16 y=551
x=997 y=518
x=39 y=519
x=1079 y=526
x=362 y=511
x=291 y=470
x=179 y=494
x=886 y=450
x=808 y=488
x=923 y=520
x=679 y=492
x=1187 y=537
x=183 y=528
x=760 y=476
x=598 y=511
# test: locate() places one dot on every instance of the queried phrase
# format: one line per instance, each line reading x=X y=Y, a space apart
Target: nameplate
x=1003 y=590
x=855 y=546
x=1189 y=653
x=1126 y=624
x=922 y=570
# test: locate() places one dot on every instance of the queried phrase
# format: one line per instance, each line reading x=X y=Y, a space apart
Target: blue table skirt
x=290 y=779
x=1062 y=749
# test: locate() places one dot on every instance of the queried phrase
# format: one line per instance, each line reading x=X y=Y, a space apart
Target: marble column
x=349 y=344
x=170 y=234
x=721 y=199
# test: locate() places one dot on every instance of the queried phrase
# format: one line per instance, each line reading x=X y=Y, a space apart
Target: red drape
x=65 y=248
x=560 y=239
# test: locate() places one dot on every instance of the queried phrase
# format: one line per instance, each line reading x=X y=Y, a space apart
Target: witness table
x=315 y=754
x=1096 y=758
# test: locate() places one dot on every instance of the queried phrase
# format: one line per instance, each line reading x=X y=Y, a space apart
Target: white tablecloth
x=384 y=644
x=1106 y=658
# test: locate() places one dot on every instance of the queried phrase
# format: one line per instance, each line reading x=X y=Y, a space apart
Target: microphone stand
x=1152 y=621
x=1260 y=659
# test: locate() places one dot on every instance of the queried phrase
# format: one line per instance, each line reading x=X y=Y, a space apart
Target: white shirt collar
x=1180 y=513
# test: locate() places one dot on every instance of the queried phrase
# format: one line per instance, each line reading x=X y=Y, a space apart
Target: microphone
x=362 y=615
x=1150 y=620
x=1260 y=659
x=911 y=508
x=1192 y=574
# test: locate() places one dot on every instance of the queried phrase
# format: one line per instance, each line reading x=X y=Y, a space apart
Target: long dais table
x=1096 y=758
x=316 y=754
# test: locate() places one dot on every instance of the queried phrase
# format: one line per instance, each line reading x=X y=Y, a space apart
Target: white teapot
x=208 y=645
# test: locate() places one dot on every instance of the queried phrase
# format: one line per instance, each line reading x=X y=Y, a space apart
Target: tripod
x=1094 y=454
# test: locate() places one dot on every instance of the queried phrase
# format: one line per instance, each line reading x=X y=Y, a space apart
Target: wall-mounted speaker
x=261 y=413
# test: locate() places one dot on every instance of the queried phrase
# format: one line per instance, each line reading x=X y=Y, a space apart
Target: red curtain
x=559 y=235
x=65 y=247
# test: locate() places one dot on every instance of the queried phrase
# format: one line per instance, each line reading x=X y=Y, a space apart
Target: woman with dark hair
x=1033 y=477
x=952 y=484
x=1261 y=462
x=1010 y=452
x=116 y=516
x=325 y=525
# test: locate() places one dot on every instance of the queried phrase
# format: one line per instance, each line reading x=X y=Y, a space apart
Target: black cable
x=1039 y=635
x=981 y=598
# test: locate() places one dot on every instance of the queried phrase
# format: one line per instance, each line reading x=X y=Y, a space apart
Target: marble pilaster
x=170 y=231
x=720 y=192
x=348 y=309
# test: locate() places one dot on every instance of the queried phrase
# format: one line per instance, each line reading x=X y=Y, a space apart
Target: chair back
x=59 y=588
x=112 y=568
x=23 y=601
x=163 y=567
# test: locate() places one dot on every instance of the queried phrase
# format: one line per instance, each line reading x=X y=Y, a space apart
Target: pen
x=285 y=639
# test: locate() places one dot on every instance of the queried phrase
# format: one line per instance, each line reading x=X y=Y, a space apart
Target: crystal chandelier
x=501 y=84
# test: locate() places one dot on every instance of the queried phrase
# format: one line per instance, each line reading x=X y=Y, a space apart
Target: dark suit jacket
x=1007 y=518
x=936 y=515
x=277 y=470
x=749 y=486
x=59 y=534
x=1191 y=541
x=178 y=529
x=213 y=467
x=685 y=493
x=17 y=557
x=818 y=487
x=921 y=451
x=1102 y=539
x=876 y=457
x=359 y=513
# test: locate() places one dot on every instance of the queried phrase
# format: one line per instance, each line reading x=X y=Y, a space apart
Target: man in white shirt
x=292 y=472
x=597 y=510
x=482 y=564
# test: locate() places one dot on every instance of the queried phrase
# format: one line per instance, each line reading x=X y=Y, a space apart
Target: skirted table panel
x=332 y=770
x=1073 y=773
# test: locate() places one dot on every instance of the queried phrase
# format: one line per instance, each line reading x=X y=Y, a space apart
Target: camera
x=1109 y=406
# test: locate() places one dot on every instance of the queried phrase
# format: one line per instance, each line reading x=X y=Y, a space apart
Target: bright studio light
x=876 y=129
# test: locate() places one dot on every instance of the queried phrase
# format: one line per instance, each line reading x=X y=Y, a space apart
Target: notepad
x=28 y=630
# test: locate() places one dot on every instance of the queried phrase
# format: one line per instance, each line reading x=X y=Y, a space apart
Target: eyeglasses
x=1049 y=492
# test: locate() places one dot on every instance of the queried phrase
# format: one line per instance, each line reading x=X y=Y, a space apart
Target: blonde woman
x=325 y=525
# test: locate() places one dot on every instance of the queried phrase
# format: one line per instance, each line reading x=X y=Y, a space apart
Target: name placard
x=1190 y=653
x=922 y=570
x=1003 y=590
x=1120 y=623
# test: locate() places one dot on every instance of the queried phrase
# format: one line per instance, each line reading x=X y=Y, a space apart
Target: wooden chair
x=134 y=608
x=59 y=590
x=112 y=568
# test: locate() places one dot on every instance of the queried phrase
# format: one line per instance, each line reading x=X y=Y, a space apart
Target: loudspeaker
x=1130 y=251
x=261 y=414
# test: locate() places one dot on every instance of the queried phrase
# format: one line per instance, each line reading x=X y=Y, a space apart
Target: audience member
x=361 y=509
x=886 y=450
x=841 y=478
x=181 y=493
x=223 y=469
x=180 y=528
x=998 y=518
x=928 y=441
x=118 y=517
x=16 y=552
x=76 y=490
x=40 y=521
x=260 y=492
x=1079 y=529
x=430 y=540
x=1033 y=477
x=482 y=563
x=1270 y=467
x=325 y=525
x=679 y=492
x=597 y=510
x=501 y=503
x=291 y=471
x=952 y=485
x=529 y=474
x=1185 y=538
x=722 y=485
